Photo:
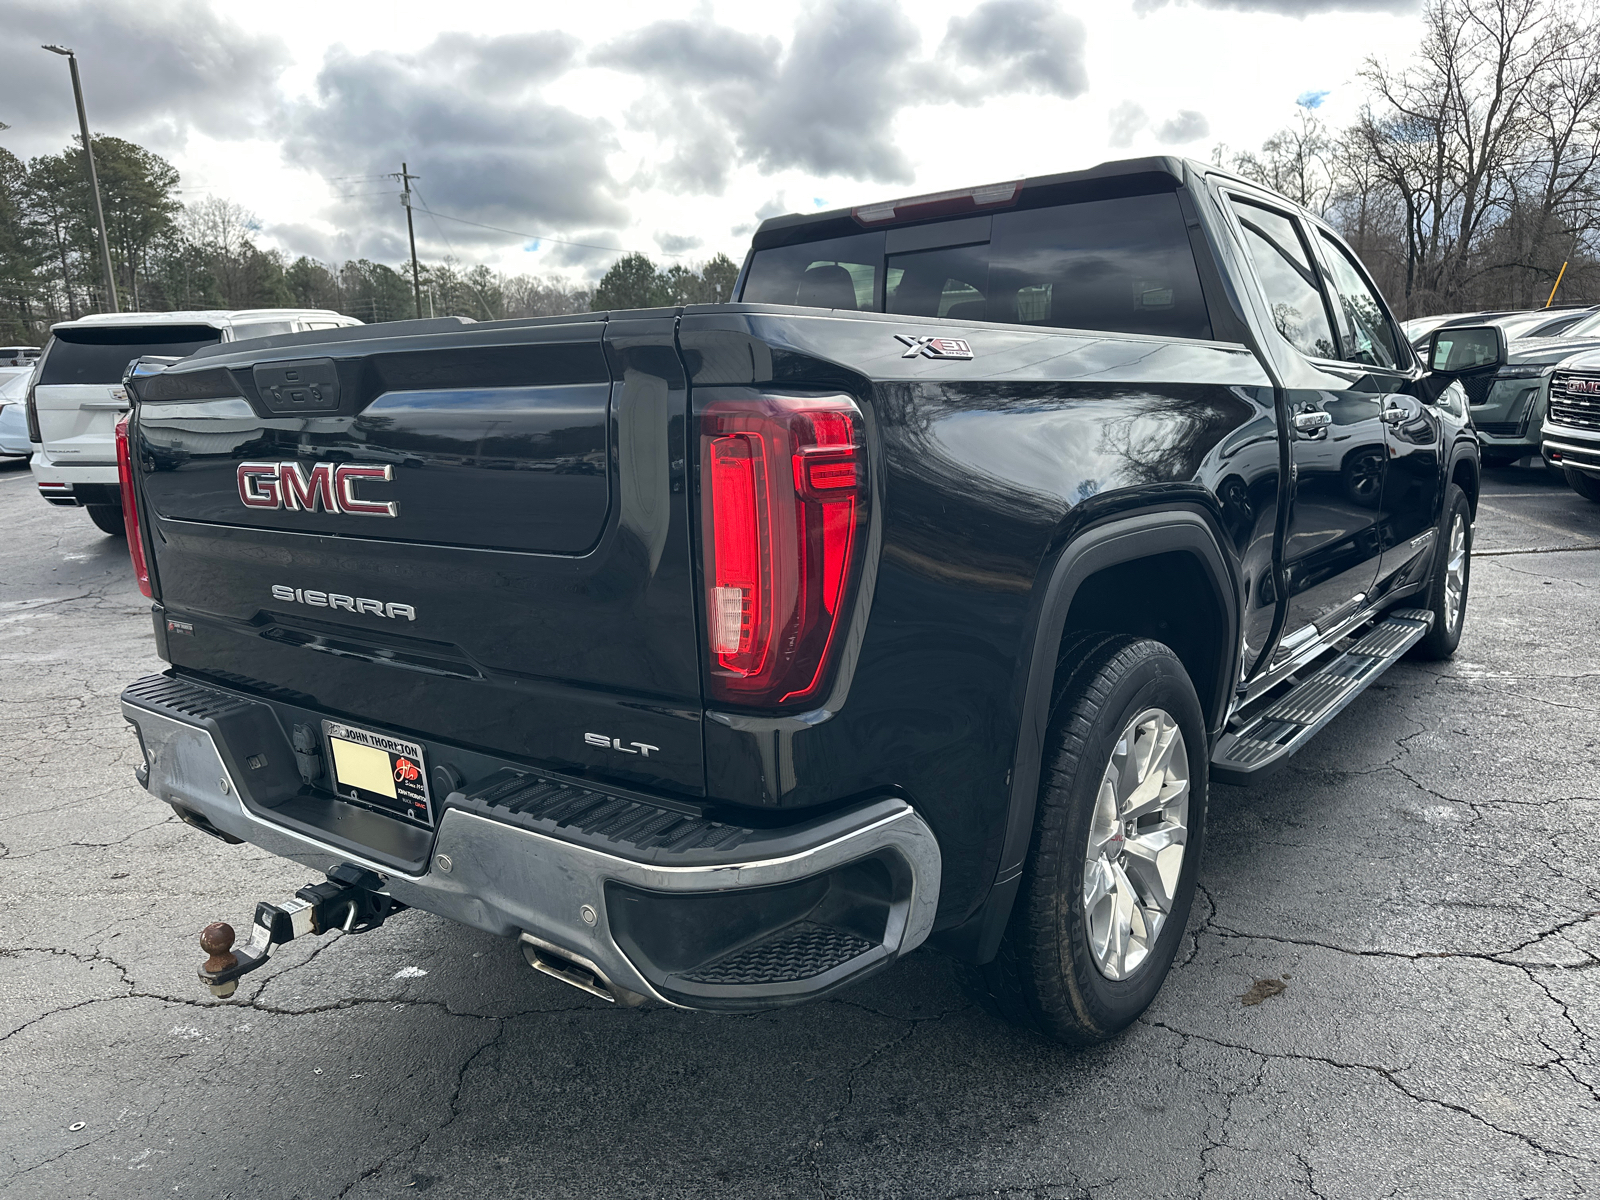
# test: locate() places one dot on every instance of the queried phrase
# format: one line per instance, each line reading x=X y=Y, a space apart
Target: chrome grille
x=1577 y=410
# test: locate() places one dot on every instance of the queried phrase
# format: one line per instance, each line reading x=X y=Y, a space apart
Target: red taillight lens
x=783 y=503
x=130 y=509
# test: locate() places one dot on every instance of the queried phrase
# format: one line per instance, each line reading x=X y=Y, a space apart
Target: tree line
x=1469 y=176
x=167 y=255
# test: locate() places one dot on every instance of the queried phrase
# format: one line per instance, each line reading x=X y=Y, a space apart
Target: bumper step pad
x=803 y=950
x=1269 y=738
x=617 y=824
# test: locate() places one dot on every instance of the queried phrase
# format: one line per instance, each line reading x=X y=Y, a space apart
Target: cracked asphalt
x=1421 y=882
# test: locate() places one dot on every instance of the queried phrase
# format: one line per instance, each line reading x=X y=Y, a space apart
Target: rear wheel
x=1452 y=573
x=1585 y=484
x=1110 y=875
x=108 y=519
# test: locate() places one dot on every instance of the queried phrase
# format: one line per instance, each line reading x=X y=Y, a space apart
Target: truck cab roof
x=1107 y=179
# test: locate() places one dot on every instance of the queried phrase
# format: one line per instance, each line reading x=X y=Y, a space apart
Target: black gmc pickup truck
x=724 y=654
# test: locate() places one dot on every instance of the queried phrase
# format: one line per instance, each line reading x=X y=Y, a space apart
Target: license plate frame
x=398 y=787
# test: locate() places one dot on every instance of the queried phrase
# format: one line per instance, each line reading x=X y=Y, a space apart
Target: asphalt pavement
x=1414 y=905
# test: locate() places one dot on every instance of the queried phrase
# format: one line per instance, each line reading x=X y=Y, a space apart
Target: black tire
x=1500 y=458
x=1441 y=641
x=1585 y=484
x=107 y=518
x=1046 y=977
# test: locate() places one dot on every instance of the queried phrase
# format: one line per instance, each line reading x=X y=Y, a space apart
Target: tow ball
x=349 y=901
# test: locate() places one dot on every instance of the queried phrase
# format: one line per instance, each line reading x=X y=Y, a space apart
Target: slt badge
x=934 y=347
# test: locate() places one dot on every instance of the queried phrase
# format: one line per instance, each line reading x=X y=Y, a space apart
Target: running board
x=1270 y=737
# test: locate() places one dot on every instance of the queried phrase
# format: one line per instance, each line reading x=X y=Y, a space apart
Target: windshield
x=100 y=354
x=14 y=386
x=1121 y=265
x=1584 y=326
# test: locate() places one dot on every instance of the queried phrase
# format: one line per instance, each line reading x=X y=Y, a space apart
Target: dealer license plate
x=379 y=770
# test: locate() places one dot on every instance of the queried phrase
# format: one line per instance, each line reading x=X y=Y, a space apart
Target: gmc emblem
x=286 y=485
x=1588 y=387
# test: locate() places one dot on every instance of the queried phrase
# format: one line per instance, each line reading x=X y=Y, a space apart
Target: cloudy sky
x=670 y=127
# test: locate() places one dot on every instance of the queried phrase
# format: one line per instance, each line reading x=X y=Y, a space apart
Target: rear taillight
x=783 y=502
x=130 y=508
x=33 y=411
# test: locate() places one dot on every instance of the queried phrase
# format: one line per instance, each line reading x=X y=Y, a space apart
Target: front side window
x=1123 y=266
x=1287 y=276
x=1364 y=329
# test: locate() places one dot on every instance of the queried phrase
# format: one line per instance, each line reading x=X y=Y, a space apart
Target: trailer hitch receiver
x=349 y=901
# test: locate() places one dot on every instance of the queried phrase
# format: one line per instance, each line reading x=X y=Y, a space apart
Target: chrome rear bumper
x=854 y=893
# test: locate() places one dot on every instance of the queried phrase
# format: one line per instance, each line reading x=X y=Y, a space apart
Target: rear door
x=1338 y=452
x=479 y=536
x=79 y=395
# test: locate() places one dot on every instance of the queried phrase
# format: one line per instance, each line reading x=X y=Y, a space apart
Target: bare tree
x=1470 y=175
x=221 y=229
x=1446 y=130
x=1299 y=161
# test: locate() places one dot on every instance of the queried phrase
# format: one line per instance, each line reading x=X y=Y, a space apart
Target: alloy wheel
x=1455 y=571
x=1136 y=843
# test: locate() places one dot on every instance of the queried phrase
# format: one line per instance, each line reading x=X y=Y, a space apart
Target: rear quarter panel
x=982 y=471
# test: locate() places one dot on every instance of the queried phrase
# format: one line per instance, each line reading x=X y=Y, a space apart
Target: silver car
x=13 y=412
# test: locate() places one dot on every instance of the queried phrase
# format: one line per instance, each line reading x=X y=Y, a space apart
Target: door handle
x=1393 y=413
x=1312 y=423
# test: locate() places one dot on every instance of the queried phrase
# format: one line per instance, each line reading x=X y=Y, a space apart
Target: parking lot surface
x=1413 y=904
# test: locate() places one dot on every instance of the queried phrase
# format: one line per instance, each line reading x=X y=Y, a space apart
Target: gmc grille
x=1577 y=410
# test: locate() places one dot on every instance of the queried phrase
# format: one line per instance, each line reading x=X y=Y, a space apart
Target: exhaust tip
x=576 y=971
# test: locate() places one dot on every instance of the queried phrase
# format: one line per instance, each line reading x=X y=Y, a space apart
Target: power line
x=452 y=250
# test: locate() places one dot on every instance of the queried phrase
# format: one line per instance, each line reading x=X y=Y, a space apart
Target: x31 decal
x=934 y=347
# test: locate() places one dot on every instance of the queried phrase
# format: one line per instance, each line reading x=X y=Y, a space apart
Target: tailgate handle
x=103 y=406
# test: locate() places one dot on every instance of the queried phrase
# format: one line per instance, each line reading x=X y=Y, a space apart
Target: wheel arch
x=1143 y=541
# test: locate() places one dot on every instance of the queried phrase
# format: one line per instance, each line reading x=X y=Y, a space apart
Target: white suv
x=77 y=393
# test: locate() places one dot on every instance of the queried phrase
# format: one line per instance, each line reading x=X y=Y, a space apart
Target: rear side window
x=1121 y=265
x=1290 y=282
x=101 y=355
x=836 y=273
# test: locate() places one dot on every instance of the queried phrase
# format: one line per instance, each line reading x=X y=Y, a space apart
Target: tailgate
x=77 y=422
x=476 y=534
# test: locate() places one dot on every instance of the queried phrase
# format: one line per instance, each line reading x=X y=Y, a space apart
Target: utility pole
x=94 y=180
x=405 y=177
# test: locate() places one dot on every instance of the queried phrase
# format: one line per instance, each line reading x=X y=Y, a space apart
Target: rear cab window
x=1122 y=265
x=100 y=354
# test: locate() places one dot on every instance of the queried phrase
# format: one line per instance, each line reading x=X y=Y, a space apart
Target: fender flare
x=1124 y=539
x=1467 y=449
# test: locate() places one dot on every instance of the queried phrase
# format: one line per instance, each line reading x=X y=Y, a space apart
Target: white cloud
x=1127 y=120
x=647 y=124
x=1186 y=126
